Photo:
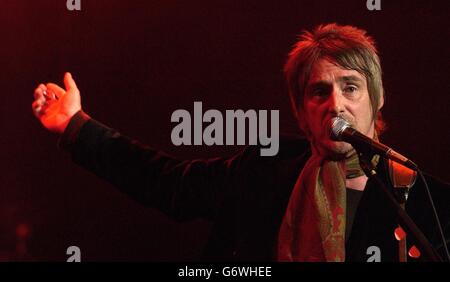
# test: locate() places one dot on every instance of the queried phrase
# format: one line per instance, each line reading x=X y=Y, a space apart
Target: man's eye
x=319 y=92
x=350 y=89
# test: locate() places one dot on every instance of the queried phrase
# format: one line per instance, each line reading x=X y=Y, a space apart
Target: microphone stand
x=404 y=220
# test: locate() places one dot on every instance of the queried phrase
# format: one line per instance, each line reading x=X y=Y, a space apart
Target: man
x=311 y=202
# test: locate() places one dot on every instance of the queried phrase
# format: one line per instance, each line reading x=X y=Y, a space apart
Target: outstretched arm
x=181 y=189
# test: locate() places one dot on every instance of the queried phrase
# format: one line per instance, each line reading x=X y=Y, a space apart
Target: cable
x=441 y=233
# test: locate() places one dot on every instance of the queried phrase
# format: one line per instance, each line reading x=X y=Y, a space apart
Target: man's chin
x=339 y=150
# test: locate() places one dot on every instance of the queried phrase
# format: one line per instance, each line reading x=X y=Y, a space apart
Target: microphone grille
x=338 y=125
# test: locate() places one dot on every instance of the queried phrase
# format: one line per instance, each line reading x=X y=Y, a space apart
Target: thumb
x=69 y=83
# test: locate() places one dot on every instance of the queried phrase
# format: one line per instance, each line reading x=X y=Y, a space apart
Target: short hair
x=347 y=46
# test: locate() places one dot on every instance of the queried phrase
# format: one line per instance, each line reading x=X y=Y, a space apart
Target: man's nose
x=336 y=102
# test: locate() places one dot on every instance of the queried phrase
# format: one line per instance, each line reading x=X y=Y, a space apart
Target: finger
x=38 y=109
x=69 y=82
x=39 y=91
x=42 y=98
x=43 y=87
x=55 y=91
x=42 y=108
x=40 y=101
x=46 y=95
x=37 y=94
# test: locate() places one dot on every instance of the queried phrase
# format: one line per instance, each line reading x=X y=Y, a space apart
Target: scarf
x=313 y=227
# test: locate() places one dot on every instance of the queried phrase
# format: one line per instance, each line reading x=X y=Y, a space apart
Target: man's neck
x=357 y=183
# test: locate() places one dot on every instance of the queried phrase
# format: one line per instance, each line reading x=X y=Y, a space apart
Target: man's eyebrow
x=315 y=84
x=350 y=78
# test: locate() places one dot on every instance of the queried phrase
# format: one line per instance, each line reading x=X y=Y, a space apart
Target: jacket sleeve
x=181 y=189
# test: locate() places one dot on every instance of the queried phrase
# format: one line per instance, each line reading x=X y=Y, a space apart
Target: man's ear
x=381 y=102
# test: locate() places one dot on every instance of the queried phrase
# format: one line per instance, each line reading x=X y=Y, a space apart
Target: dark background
x=136 y=62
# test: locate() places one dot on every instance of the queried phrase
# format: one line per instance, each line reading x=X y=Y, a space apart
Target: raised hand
x=54 y=106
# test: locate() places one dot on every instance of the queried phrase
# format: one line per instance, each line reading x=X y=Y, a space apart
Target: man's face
x=334 y=91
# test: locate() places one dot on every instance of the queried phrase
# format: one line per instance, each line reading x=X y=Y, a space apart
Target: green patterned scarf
x=313 y=227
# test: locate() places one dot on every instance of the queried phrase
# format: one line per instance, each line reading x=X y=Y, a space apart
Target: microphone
x=341 y=130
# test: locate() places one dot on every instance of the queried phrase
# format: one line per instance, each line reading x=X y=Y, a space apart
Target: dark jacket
x=245 y=195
